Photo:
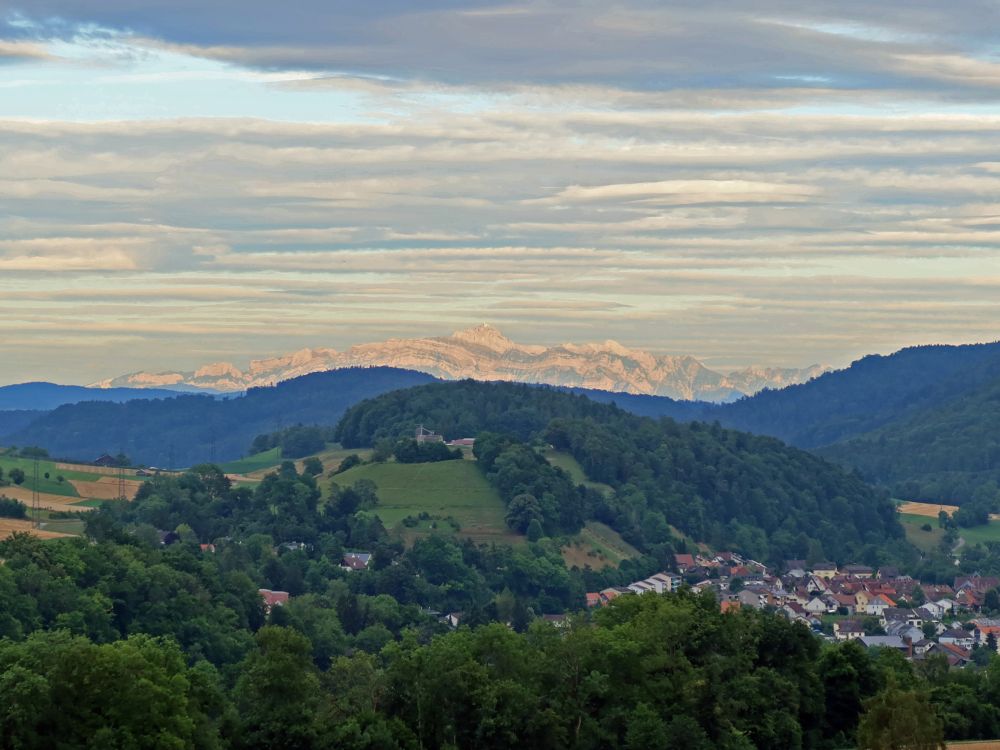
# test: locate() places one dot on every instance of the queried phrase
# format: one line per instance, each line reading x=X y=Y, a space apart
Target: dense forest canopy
x=871 y=393
x=152 y=632
x=950 y=453
x=722 y=487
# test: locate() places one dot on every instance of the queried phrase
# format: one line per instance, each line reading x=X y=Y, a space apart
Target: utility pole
x=36 y=510
x=121 y=476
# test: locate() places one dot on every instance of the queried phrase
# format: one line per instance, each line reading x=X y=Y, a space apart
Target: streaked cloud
x=771 y=182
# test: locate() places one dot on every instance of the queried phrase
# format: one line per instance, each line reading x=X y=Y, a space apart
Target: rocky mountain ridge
x=484 y=353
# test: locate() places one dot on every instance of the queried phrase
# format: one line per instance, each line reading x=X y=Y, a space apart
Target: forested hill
x=950 y=453
x=719 y=486
x=45 y=396
x=187 y=430
x=871 y=393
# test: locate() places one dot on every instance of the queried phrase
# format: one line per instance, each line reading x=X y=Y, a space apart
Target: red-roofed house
x=593 y=599
x=684 y=562
x=273 y=599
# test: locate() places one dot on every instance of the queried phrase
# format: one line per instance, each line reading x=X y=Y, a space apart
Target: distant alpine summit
x=484 y=353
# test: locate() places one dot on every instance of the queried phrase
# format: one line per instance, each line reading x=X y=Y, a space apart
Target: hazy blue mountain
x=13 y=420
x=43 y=396
x=186 y=429
x=874 y=391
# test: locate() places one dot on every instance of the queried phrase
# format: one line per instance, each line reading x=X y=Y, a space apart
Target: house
x=979 y=584
x=885 y=641
x=665 y=582
x=888 y=571
x=983 y=628
x=794 y=612
x=816 y=606
x=937 y=591
x=957 y=637
x=938 y=610
x=641 y=587
x=207 y=548
x=611 y=593
x=900 y=614
x=905 y=631
x=825 y=570
x=106 y=460
x=956 y=655
x=593 y=599
x=859 y=571
x=356 y=560
x=729 y=605
x=844 y=601
x=795 y=568
x=684 y=563
x=462 y=443
x=879 y=604
x=847 y=630
x=273 y=599
x=559 y=621
x=453 y=619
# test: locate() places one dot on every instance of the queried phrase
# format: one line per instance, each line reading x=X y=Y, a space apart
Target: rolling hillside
x=713 y=484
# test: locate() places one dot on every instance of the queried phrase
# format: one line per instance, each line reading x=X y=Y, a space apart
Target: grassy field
x=572 y=467
x=257 y=462
x=446 y=488
x=981 y=534
x=597 y=546
x=928 y=540
x=925 y=541
x=52 y=485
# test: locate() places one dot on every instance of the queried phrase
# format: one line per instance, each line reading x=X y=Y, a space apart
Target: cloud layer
x=783 y=186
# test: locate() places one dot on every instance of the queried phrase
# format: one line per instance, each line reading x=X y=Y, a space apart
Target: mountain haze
x=484 y=353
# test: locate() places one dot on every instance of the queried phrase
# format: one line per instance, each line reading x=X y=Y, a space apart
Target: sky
x=755 y=182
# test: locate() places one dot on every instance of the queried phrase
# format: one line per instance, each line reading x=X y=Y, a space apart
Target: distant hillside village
x=878 y=608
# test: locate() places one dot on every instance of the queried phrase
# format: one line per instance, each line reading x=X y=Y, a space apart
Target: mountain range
x=484 y=353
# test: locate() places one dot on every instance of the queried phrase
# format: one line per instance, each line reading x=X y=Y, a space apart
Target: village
x=879 y=608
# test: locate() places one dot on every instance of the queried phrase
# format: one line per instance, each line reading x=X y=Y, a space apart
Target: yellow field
x=930 y=510
x=9 y=525
x=105 y=488
x=45 y=500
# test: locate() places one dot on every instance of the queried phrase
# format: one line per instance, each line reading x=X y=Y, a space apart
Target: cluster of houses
x=878 y=608
x=350 y=561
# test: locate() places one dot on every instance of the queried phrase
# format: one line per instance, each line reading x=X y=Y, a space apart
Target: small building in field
x=106 y=460
x=423 y=435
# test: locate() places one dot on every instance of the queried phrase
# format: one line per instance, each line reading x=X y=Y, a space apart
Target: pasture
x=446 y=488
x=571 y=466
x=597 y=546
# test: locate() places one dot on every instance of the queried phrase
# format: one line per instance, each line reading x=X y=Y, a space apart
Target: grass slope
x=597 y=546
x=571 y=466
x=257 y=462
x=444 y=488
x=51 y=485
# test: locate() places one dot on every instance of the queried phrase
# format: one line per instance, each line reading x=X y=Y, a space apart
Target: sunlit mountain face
x=484 y=353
